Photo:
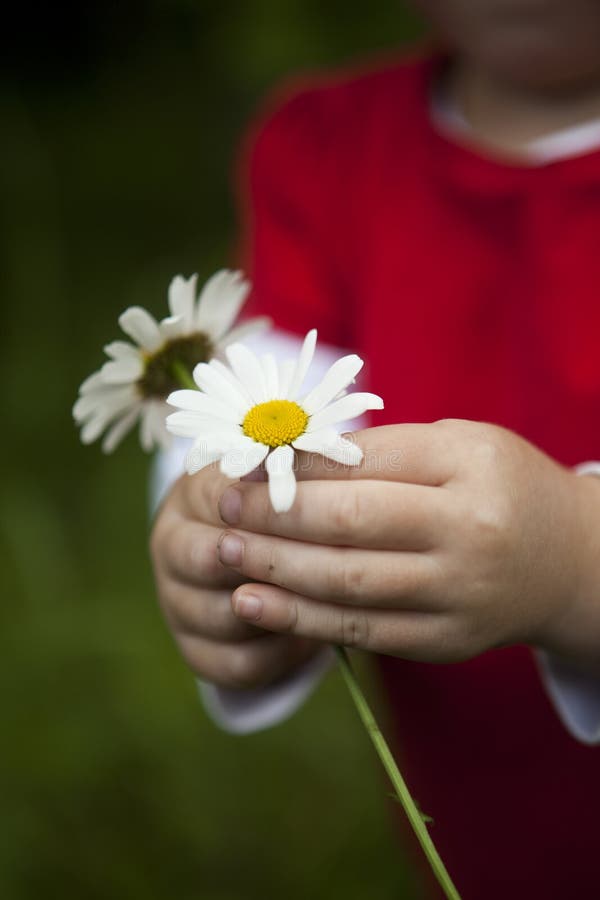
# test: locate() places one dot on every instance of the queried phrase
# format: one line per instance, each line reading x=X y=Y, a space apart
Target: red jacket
x=472 y=287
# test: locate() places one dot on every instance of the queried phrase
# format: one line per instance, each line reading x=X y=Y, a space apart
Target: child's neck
x=508 y=116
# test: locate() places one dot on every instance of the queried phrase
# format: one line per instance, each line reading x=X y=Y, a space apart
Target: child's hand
x=448 y=540
x=195 y=593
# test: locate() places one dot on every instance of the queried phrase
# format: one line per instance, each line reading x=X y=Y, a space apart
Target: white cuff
x=574 y=694
x=242 y=712
x=166 y=468
x=587 y=468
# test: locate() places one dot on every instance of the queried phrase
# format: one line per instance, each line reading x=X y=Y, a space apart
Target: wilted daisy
x=254 y=409
x=134 y=384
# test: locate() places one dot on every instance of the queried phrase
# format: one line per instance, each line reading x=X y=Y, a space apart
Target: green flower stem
x=410 y=808
x=182 y=375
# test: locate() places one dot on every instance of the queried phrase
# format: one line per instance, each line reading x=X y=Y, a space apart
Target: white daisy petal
x=112 y=400
x=211 y=447
x=216 y=438
x=196 y=401
x=160 y=436
x=171 y=327
x=93 y=428
x=100 y=419
x=341 y=394
x=152 y=431
x=146 y=439
x=282 y=481
x=187 y=423
x=122 y=371
x=200 y=456
x=141 y=326
x=243 y=330
x=246 y=456
x=270 y=374
x=212 y=381
x=84 y=406
x=228 y=375
x=329 y=443
x=220 y=301
x=248 y=370
x=335 y=380
x=347 y=407
x=304 y=360
x=286 y=373
x=121 y=427
x=92 y=383
x=121 y=350
x=182 y=298
x=313 y=441
x=346 y=452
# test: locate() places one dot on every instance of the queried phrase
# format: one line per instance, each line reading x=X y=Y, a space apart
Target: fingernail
x=230 y=506
x=231 y=548
x=247 y=606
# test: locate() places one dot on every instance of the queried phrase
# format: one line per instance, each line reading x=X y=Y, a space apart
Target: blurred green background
x=119 y=124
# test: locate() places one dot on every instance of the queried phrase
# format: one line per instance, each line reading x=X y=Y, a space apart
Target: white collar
x=561 y=144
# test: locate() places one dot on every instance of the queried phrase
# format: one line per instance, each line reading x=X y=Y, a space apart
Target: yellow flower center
x=275 y=423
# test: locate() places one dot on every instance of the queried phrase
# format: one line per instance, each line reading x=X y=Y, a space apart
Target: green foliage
x=119 y=124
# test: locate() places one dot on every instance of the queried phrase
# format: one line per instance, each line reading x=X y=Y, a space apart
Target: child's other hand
x=195 y=589
x=448 y=540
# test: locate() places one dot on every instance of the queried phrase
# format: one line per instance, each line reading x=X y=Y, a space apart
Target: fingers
x=188 y=553
x=250 y=664
x=194 y=590
x=412 y=635
x=418 y=454
x=195 y=612
x=193 y=586
x=338 y=574
x=368 y=514
x=200 y=494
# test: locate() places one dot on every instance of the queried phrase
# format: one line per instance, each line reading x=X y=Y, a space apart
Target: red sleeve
x=289 y=220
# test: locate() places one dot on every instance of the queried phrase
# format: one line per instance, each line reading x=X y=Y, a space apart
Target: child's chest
x=485 y=307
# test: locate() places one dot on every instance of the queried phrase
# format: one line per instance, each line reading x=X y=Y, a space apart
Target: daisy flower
x=134 y=384
x=254 y=410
